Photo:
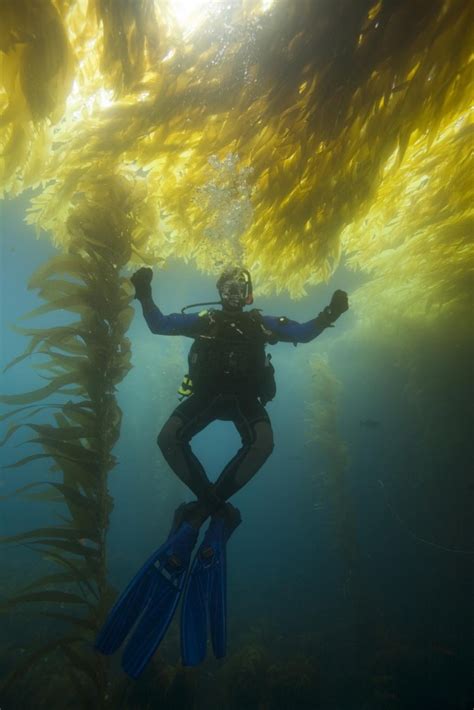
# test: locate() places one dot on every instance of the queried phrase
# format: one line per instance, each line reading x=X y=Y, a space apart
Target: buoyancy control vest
x=229 y=356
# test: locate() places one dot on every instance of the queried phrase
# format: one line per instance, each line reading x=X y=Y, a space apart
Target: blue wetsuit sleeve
x=289 y=331
x=174 y=324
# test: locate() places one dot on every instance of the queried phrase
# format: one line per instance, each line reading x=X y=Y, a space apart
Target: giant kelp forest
x=294 y=136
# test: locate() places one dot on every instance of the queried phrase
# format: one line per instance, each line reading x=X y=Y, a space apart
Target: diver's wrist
x=148 y=304
x=324 y=319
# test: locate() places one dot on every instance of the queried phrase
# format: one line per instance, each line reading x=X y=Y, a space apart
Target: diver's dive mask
x=235 y=288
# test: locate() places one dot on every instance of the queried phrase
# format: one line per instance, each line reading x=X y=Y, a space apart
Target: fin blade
x=150 y=630
x=169 y=573
x=218 y=606
x=125 y=611
x=194 y=617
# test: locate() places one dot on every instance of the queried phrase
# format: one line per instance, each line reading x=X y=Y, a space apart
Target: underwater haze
x=347 y=588
x=324 y=147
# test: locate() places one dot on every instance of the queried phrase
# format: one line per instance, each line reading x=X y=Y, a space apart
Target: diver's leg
x=253 y=424
x=187 y=420
x=205 y=599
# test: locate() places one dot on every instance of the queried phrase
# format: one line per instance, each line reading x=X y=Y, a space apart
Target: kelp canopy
x=289 y=134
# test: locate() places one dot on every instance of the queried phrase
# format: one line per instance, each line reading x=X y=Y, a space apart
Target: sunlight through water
x=190 y=14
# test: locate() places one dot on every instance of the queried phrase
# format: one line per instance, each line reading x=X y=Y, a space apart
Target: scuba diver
x=230 y=378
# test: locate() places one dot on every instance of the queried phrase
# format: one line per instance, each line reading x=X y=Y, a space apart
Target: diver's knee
x=169 y=435
x=264 y=442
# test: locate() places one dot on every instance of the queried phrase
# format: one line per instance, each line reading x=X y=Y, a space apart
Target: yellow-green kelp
x=347 y=119
x=84 y=359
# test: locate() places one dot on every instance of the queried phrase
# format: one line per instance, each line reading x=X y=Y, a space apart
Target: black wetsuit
x=227 y=388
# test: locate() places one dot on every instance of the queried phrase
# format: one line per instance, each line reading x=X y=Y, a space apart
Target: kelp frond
x=320 y=110
x=91 y=355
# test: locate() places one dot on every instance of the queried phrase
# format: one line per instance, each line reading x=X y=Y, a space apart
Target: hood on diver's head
x=235 y=288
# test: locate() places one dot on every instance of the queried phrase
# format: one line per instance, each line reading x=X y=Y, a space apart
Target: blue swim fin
x=205 y=598
x=153 y=594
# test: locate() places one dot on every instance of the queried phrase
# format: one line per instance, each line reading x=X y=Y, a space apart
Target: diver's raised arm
x=173 y=324
x=291 y=331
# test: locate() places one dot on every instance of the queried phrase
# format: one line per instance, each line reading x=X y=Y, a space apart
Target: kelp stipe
x=322 y=412
x=83 y=362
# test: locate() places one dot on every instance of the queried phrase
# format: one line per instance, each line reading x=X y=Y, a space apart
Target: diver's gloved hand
x=339 y=304
x=141 y=279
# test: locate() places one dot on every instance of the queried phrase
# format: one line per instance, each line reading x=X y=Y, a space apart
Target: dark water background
x=292 y=620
